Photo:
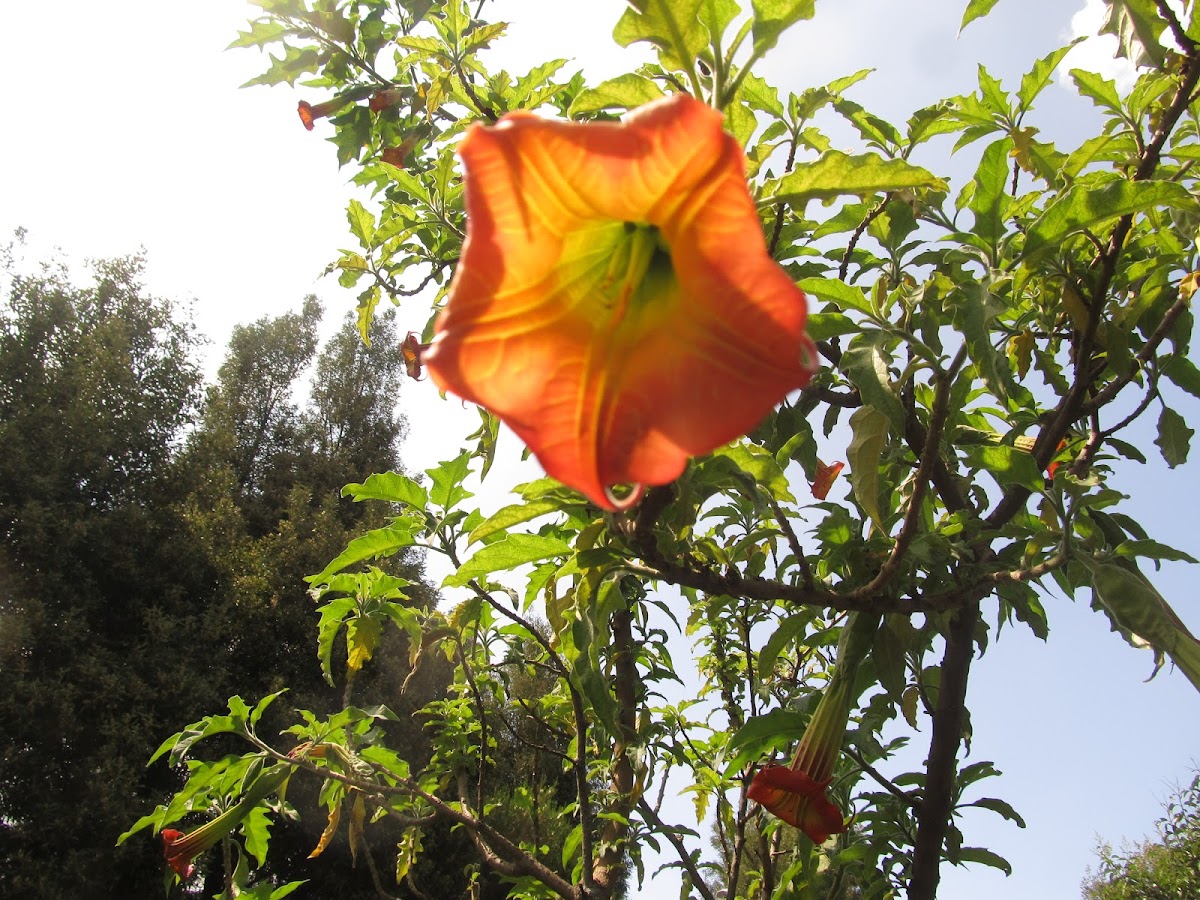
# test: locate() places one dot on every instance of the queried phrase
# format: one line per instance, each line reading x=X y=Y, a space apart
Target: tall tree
x=97 y=603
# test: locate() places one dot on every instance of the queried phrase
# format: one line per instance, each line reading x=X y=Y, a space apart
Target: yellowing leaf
x=331 y=827
x=1020 y=351
x=362 y=637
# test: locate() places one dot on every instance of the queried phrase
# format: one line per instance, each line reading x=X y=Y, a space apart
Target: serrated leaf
x=673 y=26
x=623 y=92
x=1086 y=206
x=391 y=487
x=374 y=544
x=514 y=550
x=773 y=17
x=508 y=516
x=1100 y=90
x=1035 y=80
x=257 y=830
x=447 y=477
x=333 y=614
x=362 y=222
x=835 y=174
x=362 y=639
x=870 y=429
x=1137 y=25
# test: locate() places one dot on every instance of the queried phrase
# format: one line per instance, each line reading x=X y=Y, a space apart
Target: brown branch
x=911 y=800
x=779 y=207
x=1109 y=392
x=871 y=216
x=609 y=864
x=685 y=858
x=793 y=541
x=937 y=801
x=929 y=454
x=1185 y=43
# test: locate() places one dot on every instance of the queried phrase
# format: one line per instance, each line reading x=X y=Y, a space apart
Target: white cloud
x=1098 y=53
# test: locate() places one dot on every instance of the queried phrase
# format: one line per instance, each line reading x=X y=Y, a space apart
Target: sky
x=124 y=128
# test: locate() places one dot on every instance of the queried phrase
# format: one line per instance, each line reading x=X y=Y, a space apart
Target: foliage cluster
x=148 y=530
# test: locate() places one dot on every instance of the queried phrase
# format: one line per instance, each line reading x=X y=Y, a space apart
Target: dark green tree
x=99 y=597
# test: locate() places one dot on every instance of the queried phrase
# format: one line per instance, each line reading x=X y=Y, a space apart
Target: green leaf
x=839 y=293
x=759 y=464
x=390 y=487
x=508 y=516
x=1174 y=437
x=257 y=829
x=1183 y=372
x=333 y=614
x=1152 y=550
x=976 y=9
x=1086 y=205
x=673 y=26
x=448 y=477
x=990 y=196
x=1136 y=606
x=512 y=551
x=836 y=173
x=362 y=223
x=973 y=317
x=870 y=429
x=1098 y=89
x=773 y=17
x=1000 y=807
x=1035 y=80
x=867 y=368
x=985 y=857
x=623 y=92
x=1137 y=25
x=1006 y=464
x=372 y=545
x=788 y=630
x=823 y=326
x=761 y=735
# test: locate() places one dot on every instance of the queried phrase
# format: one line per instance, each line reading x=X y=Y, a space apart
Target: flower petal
x=181 y=862
x=617 y=386
x=792 y=796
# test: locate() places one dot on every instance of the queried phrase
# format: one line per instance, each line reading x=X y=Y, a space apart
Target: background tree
x=1155 y=870
x=102 y=604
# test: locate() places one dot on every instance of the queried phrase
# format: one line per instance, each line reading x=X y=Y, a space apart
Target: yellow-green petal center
x=610 y=269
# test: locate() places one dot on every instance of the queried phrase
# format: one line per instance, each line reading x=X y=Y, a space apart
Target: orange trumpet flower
x=616 y=305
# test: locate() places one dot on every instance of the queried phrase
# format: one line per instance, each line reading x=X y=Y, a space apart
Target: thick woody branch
x=937 y=800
